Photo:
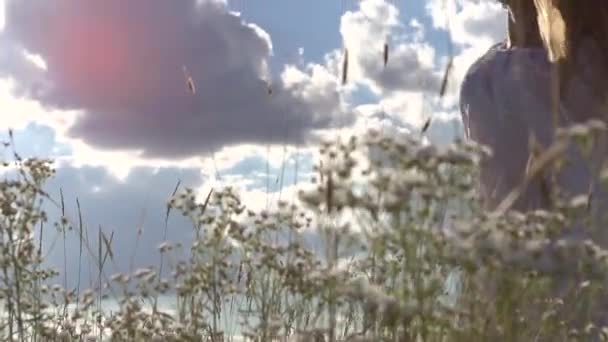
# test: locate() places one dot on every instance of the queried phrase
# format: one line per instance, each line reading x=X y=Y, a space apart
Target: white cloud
x=366 y=31
x=471 y=22
x=408 y=82
x=17 y=112
x=409 y=107
x=129 y=84
x=408 y=87
x=474 y=26
x=118 y=181
x=119 y=206
x=314 y=86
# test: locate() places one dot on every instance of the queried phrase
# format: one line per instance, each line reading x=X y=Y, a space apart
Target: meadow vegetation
x=388 y=243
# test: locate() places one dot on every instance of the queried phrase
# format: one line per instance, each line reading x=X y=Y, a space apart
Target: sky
x=100 y=88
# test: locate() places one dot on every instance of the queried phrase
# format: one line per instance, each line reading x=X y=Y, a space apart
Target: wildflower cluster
x=368 y=252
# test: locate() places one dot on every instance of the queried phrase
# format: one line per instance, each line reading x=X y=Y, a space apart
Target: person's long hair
x=564 y=25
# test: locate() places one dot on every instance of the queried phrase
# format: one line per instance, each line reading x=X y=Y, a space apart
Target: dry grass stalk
x=385 y=54
x=190 y=87
x=345 y=67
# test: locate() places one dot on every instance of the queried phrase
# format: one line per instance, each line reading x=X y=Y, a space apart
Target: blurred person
x=549 y=73
x=546 y=75
x=504 y=101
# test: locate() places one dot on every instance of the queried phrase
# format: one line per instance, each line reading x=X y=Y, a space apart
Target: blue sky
x=315 y=24
x=101 y=90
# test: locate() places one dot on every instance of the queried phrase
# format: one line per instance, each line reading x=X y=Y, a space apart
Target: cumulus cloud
x=411 y=60
x=120 y=64
x=471 y=22
x=474 y=26
x=407 y=89
x=132 y=207
x=132 y=210
x=126 y=80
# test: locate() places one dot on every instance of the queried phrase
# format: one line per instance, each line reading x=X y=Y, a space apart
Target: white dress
x=505 y=97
